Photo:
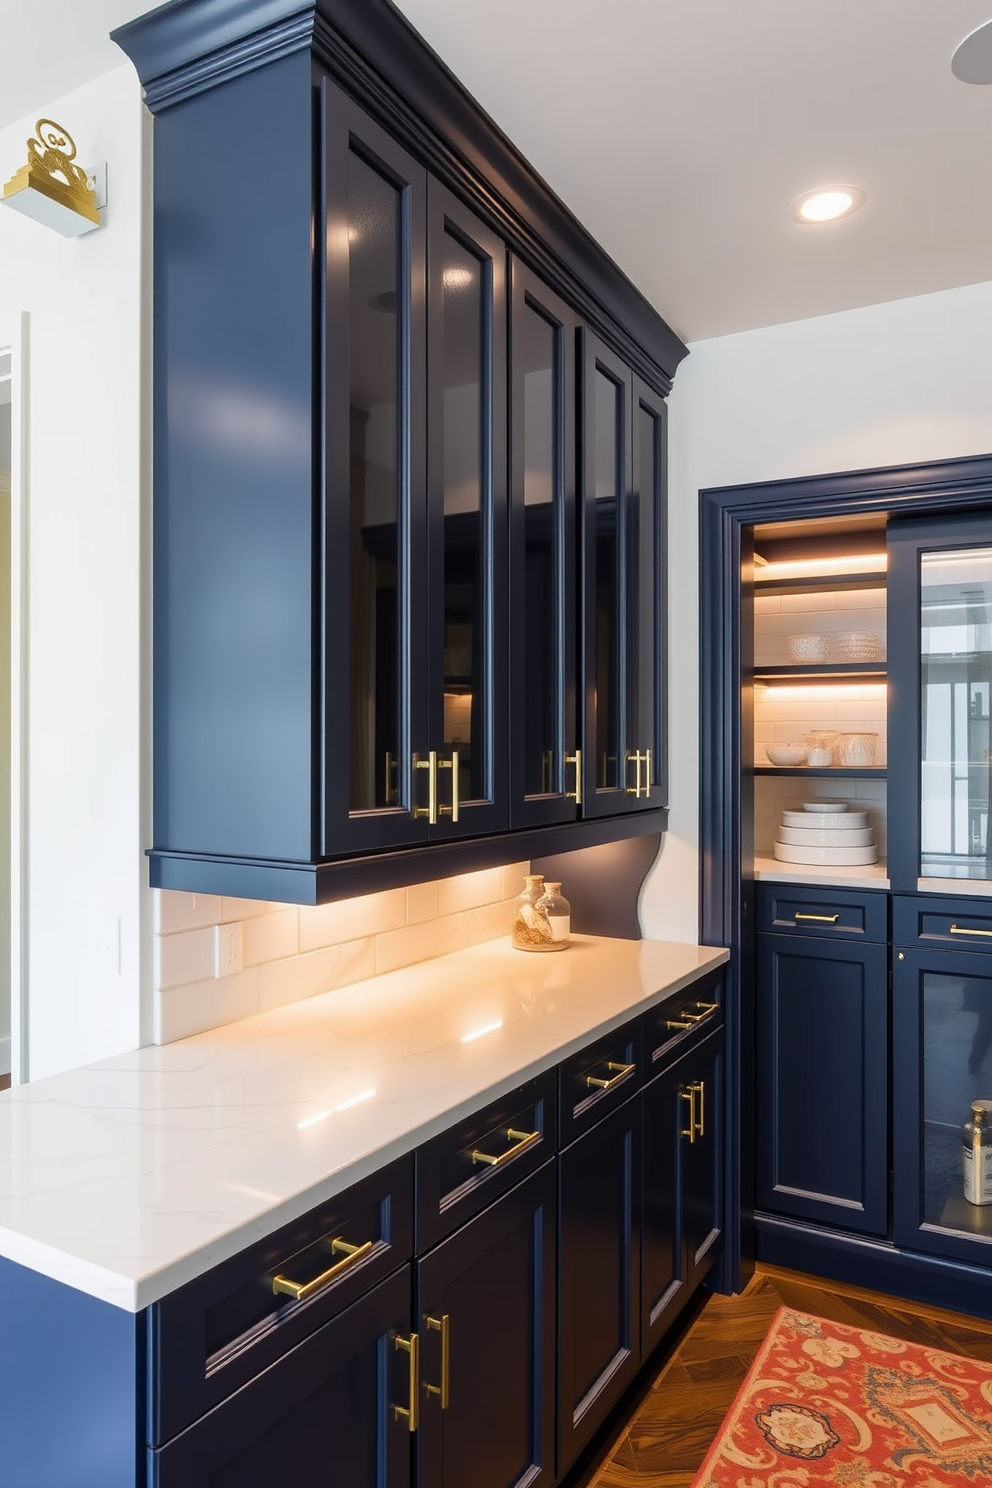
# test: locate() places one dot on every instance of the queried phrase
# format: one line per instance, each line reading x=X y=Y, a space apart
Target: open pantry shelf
x=831 y=772
x=848 y=671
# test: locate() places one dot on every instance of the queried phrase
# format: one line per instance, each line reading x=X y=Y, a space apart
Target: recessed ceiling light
x=972 y=61
x=827 y=203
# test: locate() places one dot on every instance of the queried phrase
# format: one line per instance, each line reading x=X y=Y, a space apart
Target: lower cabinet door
x=682 y=1184
x=822 y=1081
x=598 y=1275
x=322 y=1417
x=486 y=1310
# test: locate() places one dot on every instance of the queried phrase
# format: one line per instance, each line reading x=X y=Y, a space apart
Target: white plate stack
x=826 y=832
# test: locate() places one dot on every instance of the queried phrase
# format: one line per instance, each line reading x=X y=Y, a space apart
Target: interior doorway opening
x=6 y=380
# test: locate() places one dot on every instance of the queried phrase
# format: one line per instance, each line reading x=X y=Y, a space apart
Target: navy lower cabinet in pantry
x=822 y=1057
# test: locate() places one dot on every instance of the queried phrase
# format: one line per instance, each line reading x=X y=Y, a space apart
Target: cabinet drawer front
x=960 y=924
x=471 y=1164
x=595 y=1081
x=324 y=1414
x=217 y=1332
x=792 y=909
x=667 y=1027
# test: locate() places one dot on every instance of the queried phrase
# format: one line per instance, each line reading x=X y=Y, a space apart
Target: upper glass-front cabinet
x=414 y=524
x=942 y=680
x=623 y=520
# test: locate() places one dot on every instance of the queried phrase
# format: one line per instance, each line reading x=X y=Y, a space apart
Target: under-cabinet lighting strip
x=825 y=568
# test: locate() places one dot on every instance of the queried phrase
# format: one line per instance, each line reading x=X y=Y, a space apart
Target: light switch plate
x=229 y=949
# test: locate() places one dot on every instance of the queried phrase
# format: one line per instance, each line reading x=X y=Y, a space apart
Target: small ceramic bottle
x=559 y=913
x=529 y=928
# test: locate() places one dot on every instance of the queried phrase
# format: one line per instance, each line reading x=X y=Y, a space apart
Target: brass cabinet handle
x=440 y=1325
x=410 y=1346
x=636 y=758
x=521 y=1142
x=699 y=1087
x=690 y=1096
x=706 y=1010
x=822 y=919
x=576 y=760
x=680 y=1023
x=302 y=1291
x=622 y=1071
x=429 y=764
x=963 y=930
x=451 y=765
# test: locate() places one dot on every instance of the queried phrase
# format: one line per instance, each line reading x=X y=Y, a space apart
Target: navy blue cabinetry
x=942 y=1061
x=822 y=1058
x=336 y=587
x=682 y=1224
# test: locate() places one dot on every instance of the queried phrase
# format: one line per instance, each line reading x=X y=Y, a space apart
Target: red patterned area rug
x=824 y=1403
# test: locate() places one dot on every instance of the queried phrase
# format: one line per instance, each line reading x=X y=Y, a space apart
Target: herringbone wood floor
x=665 y=1441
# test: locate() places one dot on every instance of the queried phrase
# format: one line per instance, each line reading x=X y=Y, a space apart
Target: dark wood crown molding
x=189 y=46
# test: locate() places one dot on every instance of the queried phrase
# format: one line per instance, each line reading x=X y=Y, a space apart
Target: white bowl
x=820 y=806
x=829 y=857
x=826 y=836
x=786 y=754
x=808 y=648
x=830 y=821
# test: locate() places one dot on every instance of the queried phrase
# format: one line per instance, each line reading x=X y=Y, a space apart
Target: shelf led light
x=802 y=568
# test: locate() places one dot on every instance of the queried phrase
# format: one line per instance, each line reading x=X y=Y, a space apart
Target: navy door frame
x=726 y=915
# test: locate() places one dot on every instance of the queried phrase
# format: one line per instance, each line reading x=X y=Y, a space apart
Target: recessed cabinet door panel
x=598 y=1273
x=465 y=630
x=323 y=1417
x=822 y=1122
x=646 y=642
x=701 y=1080
x=663 y=1283
x=486 y=1301
x=374 y=529
x=605 y=486
x=543 y=725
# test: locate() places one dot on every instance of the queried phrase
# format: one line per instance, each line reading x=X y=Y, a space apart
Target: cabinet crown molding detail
x=192 y=46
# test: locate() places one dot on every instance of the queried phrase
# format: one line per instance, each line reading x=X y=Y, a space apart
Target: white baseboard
x=4 y=1056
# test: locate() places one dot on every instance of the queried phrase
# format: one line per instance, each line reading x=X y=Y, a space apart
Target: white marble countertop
x=129 y=1177
x=866 y=876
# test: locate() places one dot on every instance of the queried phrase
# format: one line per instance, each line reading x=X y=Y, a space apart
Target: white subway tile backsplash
x=289 y=952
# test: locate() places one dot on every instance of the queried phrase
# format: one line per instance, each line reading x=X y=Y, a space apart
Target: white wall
x=86 y=489
x=892 y=384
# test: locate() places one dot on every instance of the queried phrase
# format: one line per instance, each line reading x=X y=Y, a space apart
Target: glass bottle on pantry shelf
x=559 y=913
x=976 y=1137
x=529 y=928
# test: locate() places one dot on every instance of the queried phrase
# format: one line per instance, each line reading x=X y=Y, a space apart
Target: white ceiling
x=679 y=132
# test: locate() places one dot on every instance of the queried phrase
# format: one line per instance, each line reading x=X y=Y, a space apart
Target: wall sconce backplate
x=52 y=189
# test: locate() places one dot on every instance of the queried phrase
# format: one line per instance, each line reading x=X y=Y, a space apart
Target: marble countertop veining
x=129 y=1177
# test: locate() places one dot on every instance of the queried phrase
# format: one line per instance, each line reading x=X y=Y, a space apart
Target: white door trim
x=16 y=337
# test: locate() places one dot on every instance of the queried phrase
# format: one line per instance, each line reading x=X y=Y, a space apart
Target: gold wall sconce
x=52 y=188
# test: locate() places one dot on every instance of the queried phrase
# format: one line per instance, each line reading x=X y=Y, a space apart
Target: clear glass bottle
x=559 y=916
x=530 y=929
x=976 y=1138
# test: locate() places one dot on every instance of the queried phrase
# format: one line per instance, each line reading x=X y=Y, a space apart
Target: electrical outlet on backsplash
x=219 y=959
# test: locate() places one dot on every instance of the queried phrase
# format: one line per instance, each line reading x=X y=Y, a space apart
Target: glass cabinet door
x=955 y=682
x=463 y=633
x=605 y=488
x=942 y=1061
x=544 y=765
x=646 y=641
x=374 y=537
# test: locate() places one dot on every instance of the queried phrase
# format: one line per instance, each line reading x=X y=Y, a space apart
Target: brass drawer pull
x=963 y=930
x=622 y=1071
x=443 y=1390
x=821 y=919
x=576 y=760
x=410 y=1346
x=302 y=1291
x=680 y=1023
x=521 y=1142
x=706 y=1010
x=690 y=1096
